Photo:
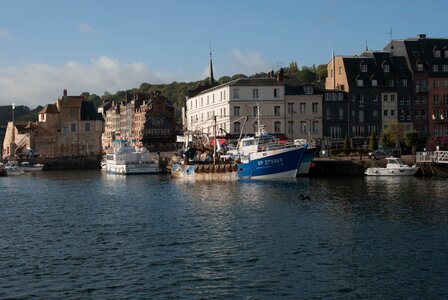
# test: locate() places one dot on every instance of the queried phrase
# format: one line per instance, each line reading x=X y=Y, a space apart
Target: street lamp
x=437 y=117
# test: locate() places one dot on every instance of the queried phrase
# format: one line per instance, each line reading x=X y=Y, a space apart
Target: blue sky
x=98 y=46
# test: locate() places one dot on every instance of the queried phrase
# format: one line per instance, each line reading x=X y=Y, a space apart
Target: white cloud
x=85 y=28
x=249 y=63
x=40 y=84
x=3 y=33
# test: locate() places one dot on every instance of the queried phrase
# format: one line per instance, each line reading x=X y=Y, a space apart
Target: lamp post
x=437 y=117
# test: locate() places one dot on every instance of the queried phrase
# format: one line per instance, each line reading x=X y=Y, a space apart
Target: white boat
x=12 y=168
x=395 y=167
x=130 y=160
x=27 y=167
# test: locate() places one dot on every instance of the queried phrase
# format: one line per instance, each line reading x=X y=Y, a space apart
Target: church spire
x=211 y=80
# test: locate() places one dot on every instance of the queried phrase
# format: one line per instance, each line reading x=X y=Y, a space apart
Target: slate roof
x=49 y=109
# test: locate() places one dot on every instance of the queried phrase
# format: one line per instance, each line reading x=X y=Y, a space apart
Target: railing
x=432 y=156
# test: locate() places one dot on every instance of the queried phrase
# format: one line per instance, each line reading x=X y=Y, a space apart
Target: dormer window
x=374 y=81
x=386 y=68
x=419 y=66
x=363 y=67
x=435 y=68
x=359 y=82
x=445 y=54
x=437 y=53
x=308 y=90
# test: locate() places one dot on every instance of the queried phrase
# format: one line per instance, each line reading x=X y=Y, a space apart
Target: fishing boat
x=395 y=167
x=128 y=160
x=263 y=157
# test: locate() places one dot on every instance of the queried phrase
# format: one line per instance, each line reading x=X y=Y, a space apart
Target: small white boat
x=395 y=167
x=12 y=168
x=128 y=160
x=27 y=167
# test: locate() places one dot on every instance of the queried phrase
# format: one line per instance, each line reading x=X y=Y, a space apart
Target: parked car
x=383 y=153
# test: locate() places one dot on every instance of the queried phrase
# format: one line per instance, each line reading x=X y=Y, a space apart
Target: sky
x=99 y=46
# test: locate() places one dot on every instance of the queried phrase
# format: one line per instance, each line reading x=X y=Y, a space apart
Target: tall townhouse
x=303 y=117
x=427 y=59
x=235 y=104
x=145 y=119
x=374 y=83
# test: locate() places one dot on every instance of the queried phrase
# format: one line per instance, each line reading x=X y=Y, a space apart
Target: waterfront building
x=378 y=90
x=146 y=119
x=427 y=60
x=70 y=126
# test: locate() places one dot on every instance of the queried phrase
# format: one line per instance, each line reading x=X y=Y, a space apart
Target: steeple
x=211 y=80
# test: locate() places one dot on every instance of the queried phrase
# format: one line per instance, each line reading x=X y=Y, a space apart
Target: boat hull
x=129 y=169
x=273 y=164
x=391 y=172
x=307 y=159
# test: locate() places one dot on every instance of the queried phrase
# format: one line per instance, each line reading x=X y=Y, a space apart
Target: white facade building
x=235 y=106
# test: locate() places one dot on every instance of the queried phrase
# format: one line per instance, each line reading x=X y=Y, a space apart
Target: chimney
x=65 y=92
x=280 y=75
x=421 y=36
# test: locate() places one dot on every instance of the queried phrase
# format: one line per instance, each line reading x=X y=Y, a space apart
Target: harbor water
x=90 y=235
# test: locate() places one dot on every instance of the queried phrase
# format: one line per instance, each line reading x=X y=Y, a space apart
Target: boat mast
x=258 y=120
x=214 y=143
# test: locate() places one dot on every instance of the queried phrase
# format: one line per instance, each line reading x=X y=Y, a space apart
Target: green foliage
x=393 y=135
x=387 y=138
x=373 y=143
x=411 y=138
x=347 y=144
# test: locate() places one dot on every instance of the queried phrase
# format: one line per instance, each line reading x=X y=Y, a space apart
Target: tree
x=347 y=144
x=386 y=138
x=411 y=140
x=321 y=72
x=373 y=143
x=307 y=75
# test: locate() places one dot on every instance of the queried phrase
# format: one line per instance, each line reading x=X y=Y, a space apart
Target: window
x=202 y=101
x=375 y=114
x=392 y=98
x=302 y=107
x=290 y=127
x=236 y=110
x=290 y=108
x=315 y=106
x=277 y=110
x=361 y=116
x=361 y=101
x=195 y=103
x=340 y=70
x=213 y=98
x=436 y=100
x=445 y=53
x=73 y=127
x=435 y=68
x=208 y=99
x=436 y=53
x=73 y=113
x=436 y=83
x=408 y=100
x=359 y=82
x=254 y=93
x=341 y=114
x=375 y=98
x=87 y=127
x=220 y=96
x=391 y=82
x=419 y=67
x=386 y=68
x=446 y=84
x=363 y=68
x=303 y=126
x=277 y=127
x=374 y=82
x=416 y=115
x=315 y=127
x=385 y=112
x=404 y=82
x=445 y=68
x=276 y=93
x=224 y=95
x=328 y=114
x=385 y=97
x=308 y=90
x=236 y=127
